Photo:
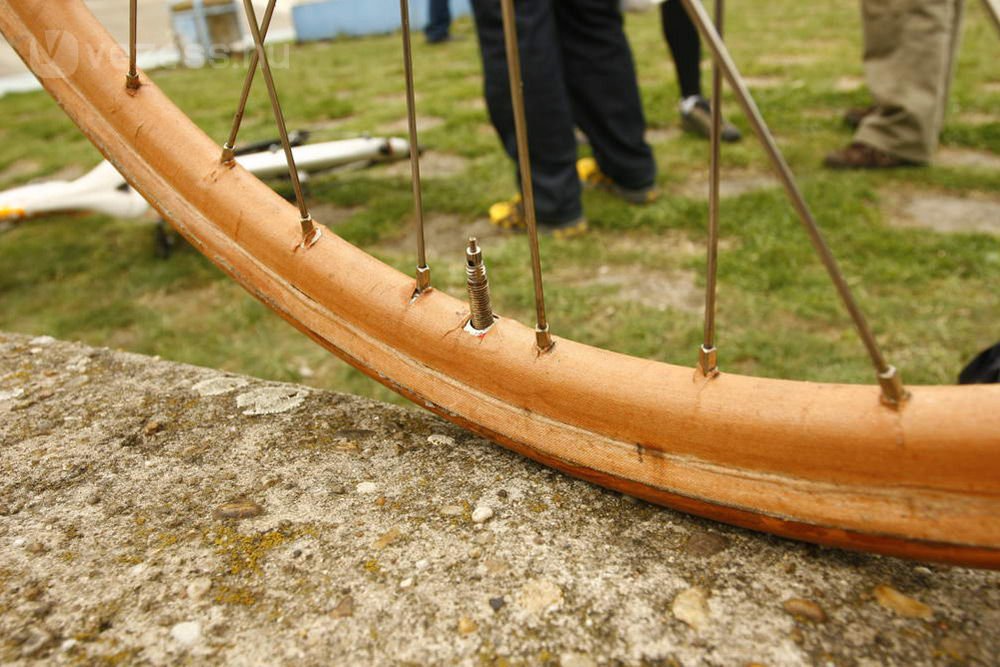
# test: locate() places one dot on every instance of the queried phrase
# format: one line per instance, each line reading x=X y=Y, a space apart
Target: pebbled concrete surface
x=156 y=513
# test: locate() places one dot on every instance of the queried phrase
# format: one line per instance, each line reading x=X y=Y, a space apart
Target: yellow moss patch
x=245 y=554
x=234 y=596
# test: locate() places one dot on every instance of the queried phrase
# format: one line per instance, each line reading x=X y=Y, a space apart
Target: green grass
x=931 y=297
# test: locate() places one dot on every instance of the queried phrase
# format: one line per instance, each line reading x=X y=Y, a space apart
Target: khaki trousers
x=909 y=53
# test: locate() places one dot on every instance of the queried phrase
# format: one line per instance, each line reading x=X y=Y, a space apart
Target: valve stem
x=479 y=288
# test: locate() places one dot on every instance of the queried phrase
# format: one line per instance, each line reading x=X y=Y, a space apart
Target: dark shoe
x=440 y=40
x=853 y=117
x=509 y=215
x=592 y=177
x=863 y=156
x=697 y=120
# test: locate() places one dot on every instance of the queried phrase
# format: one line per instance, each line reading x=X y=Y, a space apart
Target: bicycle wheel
x=818 y=462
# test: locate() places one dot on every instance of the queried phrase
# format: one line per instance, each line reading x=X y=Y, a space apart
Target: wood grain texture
x=819 y=462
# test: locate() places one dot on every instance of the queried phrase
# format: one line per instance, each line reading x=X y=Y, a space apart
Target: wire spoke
x=423 y=271
x=229 y=148
x=310 y=232
x=893 y=392
x=708 y=355
x=543 y=337
x=132 y=78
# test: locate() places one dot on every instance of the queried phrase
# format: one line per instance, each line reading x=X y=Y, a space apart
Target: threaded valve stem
x=479 y=287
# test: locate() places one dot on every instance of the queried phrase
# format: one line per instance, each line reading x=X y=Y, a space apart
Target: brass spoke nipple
x=423 y=279
x=543 y=338
x=894 y=394
x=481 y=310
x=708 y=361
x=310 y=232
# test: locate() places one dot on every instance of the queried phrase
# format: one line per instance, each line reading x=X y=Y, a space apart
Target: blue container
x=329 y=18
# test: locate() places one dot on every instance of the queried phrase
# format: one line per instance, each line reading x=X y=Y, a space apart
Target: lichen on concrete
x=146 y=519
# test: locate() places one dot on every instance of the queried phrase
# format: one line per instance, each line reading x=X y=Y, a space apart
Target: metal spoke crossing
x=229 y=148
x=310 y=232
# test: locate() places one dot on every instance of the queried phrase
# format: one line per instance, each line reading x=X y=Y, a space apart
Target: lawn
x=634 y=284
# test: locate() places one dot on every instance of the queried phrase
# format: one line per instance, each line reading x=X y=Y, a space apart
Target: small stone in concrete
x=218 y=386
x=42 y=341
x=198 y=588
x=271 y=400
x=187 y=633
x=11 y=394
x=901 y=604
x=389 y=537
x=37 y=548
x=452 y=510
x=466 y=626
x=482 y=514
x=153 y=426
x=539 y=596
x=441 y=440
x=704 y=544
x=495 y=565
x=691 y=607
x=78 y=364
x=367 y=487
x=802 y=608
x=344 y=608
x=496 y=604
x=957 y=648
x=576 y=660
x=406 y=583
x=346 y=446
x=240 y=509
x=36 y=641
x=19 y=542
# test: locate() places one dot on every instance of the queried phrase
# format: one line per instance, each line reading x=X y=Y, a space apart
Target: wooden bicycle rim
x=819 y=462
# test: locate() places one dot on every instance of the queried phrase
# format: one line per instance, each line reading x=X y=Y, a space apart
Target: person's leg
x=909 y=48
x=438 y=21
x=550 y=122
x=601 y=80
x=685 y=47
x=955 y=38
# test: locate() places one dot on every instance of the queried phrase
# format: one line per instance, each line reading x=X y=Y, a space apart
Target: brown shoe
x=863 y=156
x=854 y=116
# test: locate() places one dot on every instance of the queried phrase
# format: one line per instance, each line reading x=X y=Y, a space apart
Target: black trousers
x=578 y=70
x=438 y=20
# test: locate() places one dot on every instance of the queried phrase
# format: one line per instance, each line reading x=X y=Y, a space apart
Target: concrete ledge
x=156 y=513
